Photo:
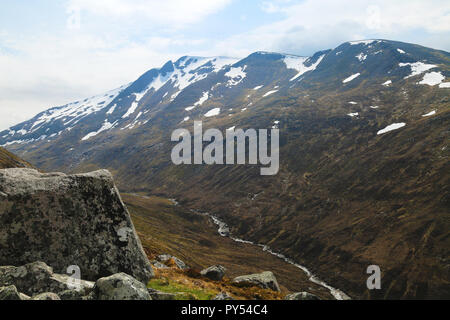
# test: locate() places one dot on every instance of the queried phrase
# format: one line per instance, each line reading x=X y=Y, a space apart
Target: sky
x=53 y=52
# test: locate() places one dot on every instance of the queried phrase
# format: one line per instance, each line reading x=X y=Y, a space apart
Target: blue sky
x=53 y=52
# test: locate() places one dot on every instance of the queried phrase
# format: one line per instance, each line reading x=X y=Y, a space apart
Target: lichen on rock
x=68 y=220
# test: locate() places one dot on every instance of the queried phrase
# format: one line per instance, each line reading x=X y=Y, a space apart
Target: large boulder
x=68 y=220
x=37 y=277
x=301 y=296
x=265 y=280
x=120 y=287
x=215 y=273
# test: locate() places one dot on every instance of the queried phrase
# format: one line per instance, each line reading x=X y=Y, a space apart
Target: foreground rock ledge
x=68 y=220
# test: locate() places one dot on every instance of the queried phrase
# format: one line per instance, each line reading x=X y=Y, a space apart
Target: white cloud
x=49 y=70
x=312 y=25
x=177 y=13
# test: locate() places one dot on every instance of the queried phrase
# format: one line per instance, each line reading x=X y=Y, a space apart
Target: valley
x=165 y=228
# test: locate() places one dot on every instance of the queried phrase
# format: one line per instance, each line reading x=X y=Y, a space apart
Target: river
x=224 y=231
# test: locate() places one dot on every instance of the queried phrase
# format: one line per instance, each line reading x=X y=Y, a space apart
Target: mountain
x=364 y=164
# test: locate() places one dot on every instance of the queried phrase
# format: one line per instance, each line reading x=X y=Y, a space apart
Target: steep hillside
x=351 y=191
x=9 y=160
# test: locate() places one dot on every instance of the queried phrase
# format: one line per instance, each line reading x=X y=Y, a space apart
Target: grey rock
x=223 y=296
x=68 y=220
x=9 y=293
x=164 y=258
x=24 y=296
x=70 y=295
x=37 y=277
x=158 y=264
x=215 y=273
x=265 y=280
x=46 y=296
x=120 y=287
x=301 y=296
x=159 y=295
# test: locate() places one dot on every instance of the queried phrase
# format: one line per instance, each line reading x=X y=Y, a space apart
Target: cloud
x=312 y=25
x=176 y=13
x=49 y=70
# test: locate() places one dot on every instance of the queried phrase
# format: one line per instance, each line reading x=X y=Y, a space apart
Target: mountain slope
x=350 y=192
x=9 y=160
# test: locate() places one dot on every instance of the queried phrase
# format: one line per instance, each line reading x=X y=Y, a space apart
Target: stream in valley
x=224 y=231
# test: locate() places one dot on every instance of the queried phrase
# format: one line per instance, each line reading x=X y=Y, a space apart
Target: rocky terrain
x=70 y=237
x=364 y=153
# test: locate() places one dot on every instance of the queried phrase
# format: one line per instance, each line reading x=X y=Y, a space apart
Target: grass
x=190 y=285
x=182 y=291
x=9 y=160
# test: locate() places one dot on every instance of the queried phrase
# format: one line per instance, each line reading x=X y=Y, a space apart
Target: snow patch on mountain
x=106 y=126
x=269 y=93
x=432 y=113
x=212 y=113
x=75 y=110
x=111 y=110
x=432 y=78
x=202 y=99
x=352 y=77
x=364 y=42
x=132 y=109
x=220 y=62
x=237 y=74
x=298 y=63
x=417 y=68
x=391 y=127
x=361 y=57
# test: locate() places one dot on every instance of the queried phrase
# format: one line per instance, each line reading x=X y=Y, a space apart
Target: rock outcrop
x=37 y=277
x=37 y=280
x=215 y=273
x=301 y=296
x=69 y=221
x=167 y=259
x=11 y=293
x=265 y=280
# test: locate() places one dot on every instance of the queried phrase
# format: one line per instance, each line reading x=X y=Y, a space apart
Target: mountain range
x=364 y=153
